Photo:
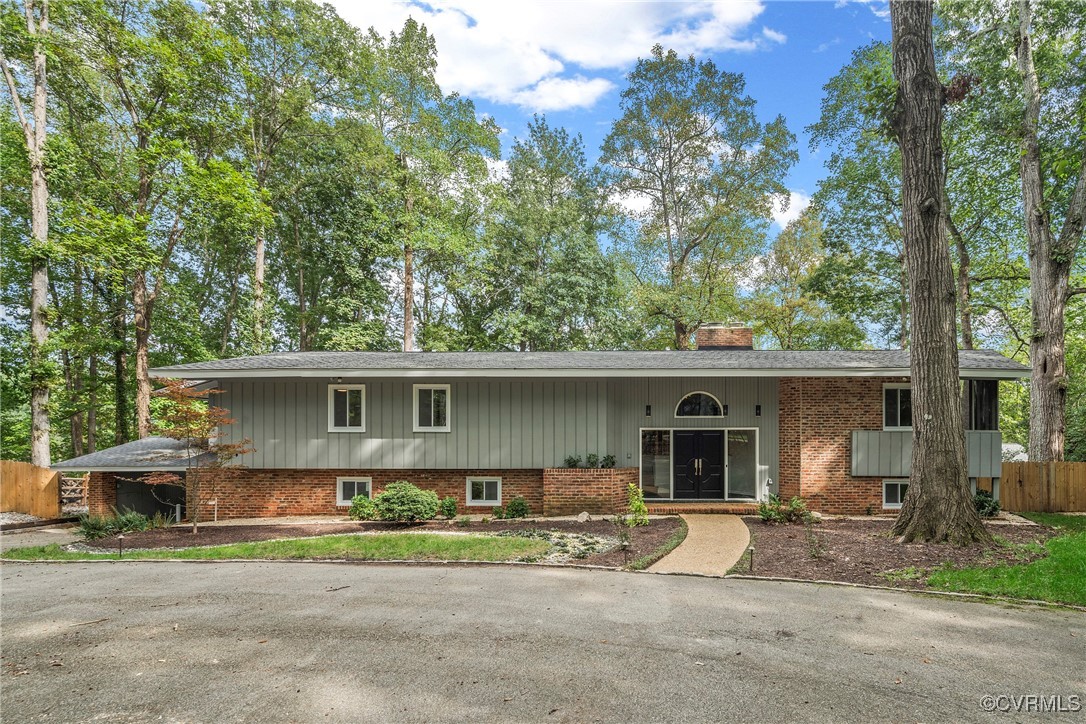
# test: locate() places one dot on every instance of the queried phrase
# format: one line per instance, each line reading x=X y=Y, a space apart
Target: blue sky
x=568 y=58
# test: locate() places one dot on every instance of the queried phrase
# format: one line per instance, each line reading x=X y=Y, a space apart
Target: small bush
x=517 y=508
x=608 y=461
x=463 y=521
x=986 y=505
x=499 y=513
x=403 y=502
x=637 y=511
x=362 y=508
x=447 y=507
x=93 y=527
x=160 y=520
x=774 y=511
x=573 y=461
x=592 y=460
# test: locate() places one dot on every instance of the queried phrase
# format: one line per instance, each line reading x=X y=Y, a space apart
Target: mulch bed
x=857 y=551
x=643 y=540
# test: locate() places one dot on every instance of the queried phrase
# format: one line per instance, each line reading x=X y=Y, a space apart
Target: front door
x=699 y=470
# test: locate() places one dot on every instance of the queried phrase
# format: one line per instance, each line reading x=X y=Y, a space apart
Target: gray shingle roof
x=611 y=363
x=147 y=455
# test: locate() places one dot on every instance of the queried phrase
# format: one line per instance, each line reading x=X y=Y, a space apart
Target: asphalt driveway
x=324 y=642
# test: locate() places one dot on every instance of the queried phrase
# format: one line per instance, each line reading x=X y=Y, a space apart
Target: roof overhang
x=311 y=373
x=113 y=469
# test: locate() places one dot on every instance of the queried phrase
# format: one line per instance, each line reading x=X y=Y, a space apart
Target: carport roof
x=147 y=455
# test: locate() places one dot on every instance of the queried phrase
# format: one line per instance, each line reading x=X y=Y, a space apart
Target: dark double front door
x=699 y=464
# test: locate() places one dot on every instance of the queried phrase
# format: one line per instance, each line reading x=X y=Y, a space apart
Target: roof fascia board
x=165 y=372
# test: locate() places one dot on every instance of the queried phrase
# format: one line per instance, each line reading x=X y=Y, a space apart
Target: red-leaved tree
x=188 y=416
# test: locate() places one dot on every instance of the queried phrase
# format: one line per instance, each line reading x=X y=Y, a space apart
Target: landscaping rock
x=583 y=517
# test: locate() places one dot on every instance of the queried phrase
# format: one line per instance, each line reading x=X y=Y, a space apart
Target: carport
x=120 y=472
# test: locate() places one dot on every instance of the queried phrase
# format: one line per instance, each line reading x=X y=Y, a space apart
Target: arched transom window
x=699 y=404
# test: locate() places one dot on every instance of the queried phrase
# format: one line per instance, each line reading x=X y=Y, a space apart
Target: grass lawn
x=402 y=547
x=1059 y=577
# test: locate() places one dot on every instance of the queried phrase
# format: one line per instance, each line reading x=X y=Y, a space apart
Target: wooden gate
x=1043 y=487
x=26 y=488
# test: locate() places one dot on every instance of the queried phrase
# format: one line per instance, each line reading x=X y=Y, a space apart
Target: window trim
x=892 y=481
x=415 y=407
x=895 y=386
x=719 y=404
x=341 y=502
x=332 y=407
x=468 y=500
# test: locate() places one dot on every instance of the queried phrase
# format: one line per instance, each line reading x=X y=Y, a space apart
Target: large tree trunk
x=141 y=306
x=1050 y=260
x=92 y=403
x=258 y=293
x=938 y=505
x=120 y=374
x=34 y=133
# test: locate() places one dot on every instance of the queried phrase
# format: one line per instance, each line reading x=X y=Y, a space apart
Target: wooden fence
x=26 y=488
x=1043 y=487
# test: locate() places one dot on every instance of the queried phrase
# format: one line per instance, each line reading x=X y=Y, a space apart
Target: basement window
x=348 y=488
x=346 y=408
x=484 y=491
x=893 y=493
x=897 y=407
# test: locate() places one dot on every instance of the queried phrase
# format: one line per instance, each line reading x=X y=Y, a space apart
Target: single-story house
x=719 y=427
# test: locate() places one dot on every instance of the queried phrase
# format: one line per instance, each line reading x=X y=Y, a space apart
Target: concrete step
x=680 y=507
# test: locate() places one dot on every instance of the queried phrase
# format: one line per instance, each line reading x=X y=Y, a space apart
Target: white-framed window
x=897 y=407
x=893 y=493
x=347 y=488
x=432 y=410
x=484 y=491
x=346 y=408
x=699 y=404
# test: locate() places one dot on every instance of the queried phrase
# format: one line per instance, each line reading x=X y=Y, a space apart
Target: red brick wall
x=264 y=493
x=101 y=493
x=568 y=491
x=817 y=417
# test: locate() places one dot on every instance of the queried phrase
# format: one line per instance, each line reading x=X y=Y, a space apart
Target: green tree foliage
x=689 y=152
x=783 y=308
x=553 y=286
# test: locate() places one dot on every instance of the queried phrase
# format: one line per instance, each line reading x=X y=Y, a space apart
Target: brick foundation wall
x=266 y=493
x=568 y=491
x=817 y=417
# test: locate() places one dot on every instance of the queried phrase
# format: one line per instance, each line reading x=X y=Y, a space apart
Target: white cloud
x=548 y=55
x=551 y=94
x=633 y=203
x=773 y=35
x=797 y=202
x=823 y=47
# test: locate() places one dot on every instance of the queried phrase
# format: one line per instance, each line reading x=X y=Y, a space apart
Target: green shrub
x=463 y=521
x=986 y=505
x=573 y=461
x=362 y=508
x=160 y=520
x=774 y=511
x=592 y=460
x=499 y=513
x=517 y=508
x=637 y=513
x=608 y=461
x=93 y=527
x=401 y=501
x=447 y=507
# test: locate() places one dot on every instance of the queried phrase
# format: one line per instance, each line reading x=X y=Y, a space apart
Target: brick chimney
x=718 y=335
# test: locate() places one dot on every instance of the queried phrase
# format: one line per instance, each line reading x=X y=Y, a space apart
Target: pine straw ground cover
x=1025 y=561
x=593 y=542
